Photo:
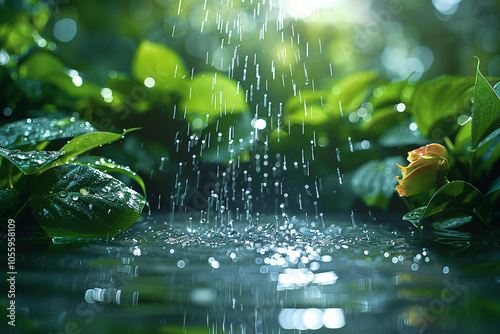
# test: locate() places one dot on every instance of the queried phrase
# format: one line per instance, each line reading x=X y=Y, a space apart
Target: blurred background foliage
x=292 y=94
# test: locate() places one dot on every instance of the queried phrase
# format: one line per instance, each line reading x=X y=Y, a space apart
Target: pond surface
x=158 y=277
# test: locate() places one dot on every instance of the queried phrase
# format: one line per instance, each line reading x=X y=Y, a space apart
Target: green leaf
x=84 y=143
x=375 y=181
x=30 y=131
x=485 y=110
x=495 y=186
x=32 y=161
x=75 y=201
x=488 y=153
x=89 y=141
x=317 y=107
x=391 y=93
x=109 y=166
x=462 y=139
x=48 y=68
x=308 y=107
x=352 y=91
x=382 y=120
x=213 y=96
x=162 y=64
x=455 y=196
x=415 y=216
x=453 y=222
x=124 y=88
x=438 y=103
x=490 y=204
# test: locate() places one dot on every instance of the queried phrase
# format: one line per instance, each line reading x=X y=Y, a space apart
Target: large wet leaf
x=213 y=95
x=455 y=196
x=485 y=110
x=160 y=63
x=109 y=166
x=30 y=162
x=30 y=131
x=375 y=181
x=455 y=199
x=75 y=201
x=438 y=103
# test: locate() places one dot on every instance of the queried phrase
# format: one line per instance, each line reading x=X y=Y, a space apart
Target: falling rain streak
x=217 y=204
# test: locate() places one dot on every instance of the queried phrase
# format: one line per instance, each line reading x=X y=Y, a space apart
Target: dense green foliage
x=335 y=124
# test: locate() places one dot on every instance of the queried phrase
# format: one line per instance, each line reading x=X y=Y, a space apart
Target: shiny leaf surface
x=75 y=201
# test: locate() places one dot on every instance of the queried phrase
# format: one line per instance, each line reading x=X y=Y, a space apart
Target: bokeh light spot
x=65 y=30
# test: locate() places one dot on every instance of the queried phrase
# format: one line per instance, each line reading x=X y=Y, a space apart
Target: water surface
x=366 y=277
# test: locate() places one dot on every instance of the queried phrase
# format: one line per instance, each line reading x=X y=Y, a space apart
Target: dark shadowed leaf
x=375 y=181
x=495 y=186
x=8 y=199
x=402 y=134
x=75 y=201
x=48 y=68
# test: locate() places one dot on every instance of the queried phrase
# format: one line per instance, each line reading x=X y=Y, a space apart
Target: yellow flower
x=428 y=168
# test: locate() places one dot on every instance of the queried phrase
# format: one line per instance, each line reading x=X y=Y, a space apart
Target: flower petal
x=431 y=150
x=428 y=169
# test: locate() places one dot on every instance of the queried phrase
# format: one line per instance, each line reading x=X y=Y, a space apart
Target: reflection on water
x=255 y=279
x=311 y=318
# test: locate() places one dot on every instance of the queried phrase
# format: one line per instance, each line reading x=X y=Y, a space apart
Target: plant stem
x=11 y=185
x=20 y=211
x=471 y=166
x=481 y=218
